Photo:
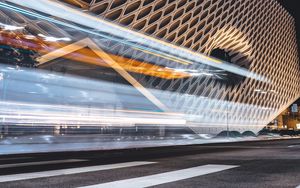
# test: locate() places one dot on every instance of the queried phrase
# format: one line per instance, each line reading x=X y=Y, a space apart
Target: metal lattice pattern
x=258 y=35
x=260 y=32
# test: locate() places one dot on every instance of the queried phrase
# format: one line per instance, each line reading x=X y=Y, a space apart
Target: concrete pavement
x=245 y=164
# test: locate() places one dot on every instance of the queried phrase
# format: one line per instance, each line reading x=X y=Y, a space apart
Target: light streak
x=54 y=39
x=93 y=120
x=78 y=52
x=130 y=37
x=81 y=109
x=11 y=27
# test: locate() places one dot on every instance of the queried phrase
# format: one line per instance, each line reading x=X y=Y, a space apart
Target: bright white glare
x=265 y=91
x=194 y=72
x=29 y=36
x=54 y=39
x=273 y=91
x=202 y=74
x=38 y=109
x=112 y=121
x=11 y=27
x=206 y=136
x=61 y=100
x=51 y=114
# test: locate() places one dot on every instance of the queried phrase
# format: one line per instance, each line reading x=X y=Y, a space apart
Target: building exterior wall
x=116 y=74
x=258 y=35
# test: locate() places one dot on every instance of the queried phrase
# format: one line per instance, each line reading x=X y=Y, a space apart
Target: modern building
x=202 y=66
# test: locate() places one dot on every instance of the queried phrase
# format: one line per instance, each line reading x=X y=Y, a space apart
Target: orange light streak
x=86 y=55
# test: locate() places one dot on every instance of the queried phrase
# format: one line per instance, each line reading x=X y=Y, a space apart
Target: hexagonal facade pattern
x=259 y=34
x=256 y=35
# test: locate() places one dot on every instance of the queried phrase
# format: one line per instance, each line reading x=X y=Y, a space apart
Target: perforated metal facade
x=259 y=32
x=258 y=35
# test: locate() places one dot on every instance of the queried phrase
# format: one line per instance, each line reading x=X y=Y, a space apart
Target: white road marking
x=167 y=177
x=41 y=163
x=43 y=174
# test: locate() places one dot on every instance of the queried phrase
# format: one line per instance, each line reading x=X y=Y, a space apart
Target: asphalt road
x=247 y=164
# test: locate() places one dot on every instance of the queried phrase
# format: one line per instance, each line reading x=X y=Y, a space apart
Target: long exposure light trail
x=55 y=96
x=94 y=75
x=77 y=52
x=98 y=120
x=159 y=47
x=81 y=109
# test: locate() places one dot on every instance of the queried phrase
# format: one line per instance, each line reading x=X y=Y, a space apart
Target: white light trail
x=92 y=120
x=129 y=37
x=54 y=39
x=11 y=27
x=21 y=113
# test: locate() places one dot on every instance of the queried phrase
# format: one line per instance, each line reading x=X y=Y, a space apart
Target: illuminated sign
x=294 y=108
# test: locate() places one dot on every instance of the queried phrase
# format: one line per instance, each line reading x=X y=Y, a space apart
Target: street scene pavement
x=244 y=164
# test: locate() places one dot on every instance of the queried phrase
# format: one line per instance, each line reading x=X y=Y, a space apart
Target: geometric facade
x=124 y=70
x=257 y=35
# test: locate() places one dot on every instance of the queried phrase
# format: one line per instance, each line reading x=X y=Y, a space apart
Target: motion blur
x=78 y=82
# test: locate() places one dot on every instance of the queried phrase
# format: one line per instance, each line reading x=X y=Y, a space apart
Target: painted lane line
x=41 y=163
x=167 y=177
x=51 y=173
